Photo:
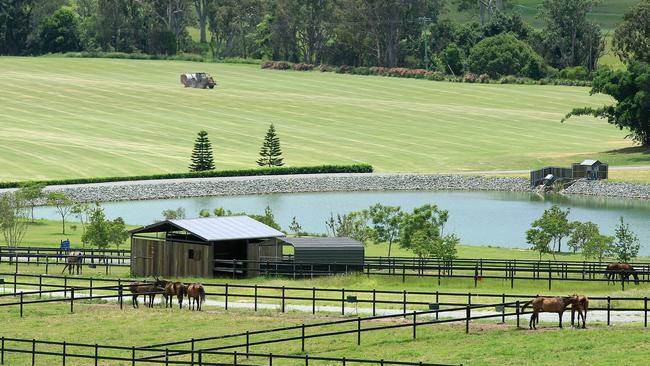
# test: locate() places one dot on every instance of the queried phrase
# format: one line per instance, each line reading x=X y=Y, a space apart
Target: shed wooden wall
x=266 y=248
x=150 y=257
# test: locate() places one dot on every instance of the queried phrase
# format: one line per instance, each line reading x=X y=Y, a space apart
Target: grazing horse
x=196 y=293
x=623 y=270
x=581 y=306
x=74 y=259
x=548 y=304
x=146 y=289
x=171 y=289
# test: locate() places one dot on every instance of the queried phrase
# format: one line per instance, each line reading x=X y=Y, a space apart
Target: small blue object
x=65 y=244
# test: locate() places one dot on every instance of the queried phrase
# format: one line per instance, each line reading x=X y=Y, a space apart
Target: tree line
x=17 y=213
x=389 y=33
x=548 y=231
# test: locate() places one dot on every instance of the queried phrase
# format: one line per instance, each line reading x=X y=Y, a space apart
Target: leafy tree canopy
x=632 y=37
x=505 y=55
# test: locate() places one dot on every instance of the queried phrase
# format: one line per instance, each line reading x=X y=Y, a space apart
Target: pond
x=478 y=218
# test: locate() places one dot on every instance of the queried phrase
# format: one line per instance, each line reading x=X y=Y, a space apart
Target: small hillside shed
x=202 y=247
x=590 y=169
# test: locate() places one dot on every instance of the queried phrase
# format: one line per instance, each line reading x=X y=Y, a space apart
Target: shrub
x=303 y=67
x=378 y=70
x=343 y=69
x=504 y=55
x=436 y=76
x=575 y=73
x=484 y=78
x=319 y=169
x=361 y=71
x=470 y=78
x=326 y=68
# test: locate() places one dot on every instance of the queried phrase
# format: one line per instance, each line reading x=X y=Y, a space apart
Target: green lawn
x=488 y=343
x=67 y=118
x=45 y=233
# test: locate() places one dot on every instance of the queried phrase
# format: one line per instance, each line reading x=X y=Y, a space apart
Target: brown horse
x=74 y=259
x=548 y=304
x=171 y=289
x=623 y=270
x=581 y=306
x=146 y=289
x=196 y=293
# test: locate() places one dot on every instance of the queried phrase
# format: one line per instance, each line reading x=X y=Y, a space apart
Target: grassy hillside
x=67 y=117
x=607 y=14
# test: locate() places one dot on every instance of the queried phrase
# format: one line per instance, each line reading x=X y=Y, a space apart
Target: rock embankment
x=179 y=188
x=603 y=188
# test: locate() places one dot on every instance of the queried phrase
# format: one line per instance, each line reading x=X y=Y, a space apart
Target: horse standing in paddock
x=581 y=306
x=171 y=289
x=196 y=293
x=550 y=305
x=623 y=270
x=146 y=289
x=73 y=260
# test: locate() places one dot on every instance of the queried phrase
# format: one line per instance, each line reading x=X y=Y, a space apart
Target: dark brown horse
x=72 y=261
x=174 y=289
x=146 y=289
x=554 y=304
x=623 y=270
x=196 y=294
x=581 y=306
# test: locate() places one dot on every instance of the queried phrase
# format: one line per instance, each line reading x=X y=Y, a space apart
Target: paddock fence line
x=71 y=351
x=310 y=298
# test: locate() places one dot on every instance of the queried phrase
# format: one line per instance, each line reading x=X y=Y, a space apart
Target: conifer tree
x=202 y=154
x=270 y=153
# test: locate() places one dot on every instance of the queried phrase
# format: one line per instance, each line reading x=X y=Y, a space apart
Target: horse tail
x=64 y=268
x=202 y=294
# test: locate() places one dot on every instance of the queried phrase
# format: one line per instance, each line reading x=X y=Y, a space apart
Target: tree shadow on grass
x=631 y=150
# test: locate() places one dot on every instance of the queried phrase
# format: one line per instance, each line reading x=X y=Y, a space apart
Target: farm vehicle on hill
x=200 y=80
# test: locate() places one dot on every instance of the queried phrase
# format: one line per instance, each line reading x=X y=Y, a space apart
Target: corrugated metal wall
x=150 y=257
x=329 y=255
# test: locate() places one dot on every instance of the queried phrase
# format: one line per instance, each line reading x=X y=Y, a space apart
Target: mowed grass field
x=65 y=117
x=488 y=343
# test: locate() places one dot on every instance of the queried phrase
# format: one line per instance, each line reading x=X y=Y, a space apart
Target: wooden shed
x=202 y=247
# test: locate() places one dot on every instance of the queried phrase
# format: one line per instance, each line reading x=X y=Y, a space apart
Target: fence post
x=550 y=276
x=609 y=306
x=2 y=353
x=226 y=289
x=40 y=285
x=302 y=337
x=21 y=304
x=33 y=352
x=234 y=356
x=476 y=276
x=15 y=281
x=358 y=331
x=467 y=316
x=96 y=354
x=166 y=356
x=343 y=360
x=192 y=345
x=255 y=297
x=200 y=358
x=306 y=360
x=90 y=284
x=403 y=273
x=313 y=300
x=645 y=312
x=247 y=343
x=414 y=324
x=283 y=299
x=342 y=301
x=63 y=353
x=47 y=264
x=437 y=302
x=121 y=296
x=517 y=313
x=503 y=312
x=132 y=355
x=72 y=300
x=65 y=286
x=374 y=302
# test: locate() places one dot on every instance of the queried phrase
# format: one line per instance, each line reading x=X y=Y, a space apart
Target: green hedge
x=320 y=169
x=179 y=57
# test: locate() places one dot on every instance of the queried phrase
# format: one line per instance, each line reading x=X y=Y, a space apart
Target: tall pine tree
x=202 y=154
x=270 y=153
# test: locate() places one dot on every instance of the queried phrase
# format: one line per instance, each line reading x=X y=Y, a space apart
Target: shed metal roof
x=590 y=162
x=323 y=243
x=216 y=228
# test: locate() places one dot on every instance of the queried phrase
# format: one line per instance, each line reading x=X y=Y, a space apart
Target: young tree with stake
x=62 y=203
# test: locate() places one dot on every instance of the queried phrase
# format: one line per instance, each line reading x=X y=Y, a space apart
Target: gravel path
x=228 y=186
x=593 y=316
